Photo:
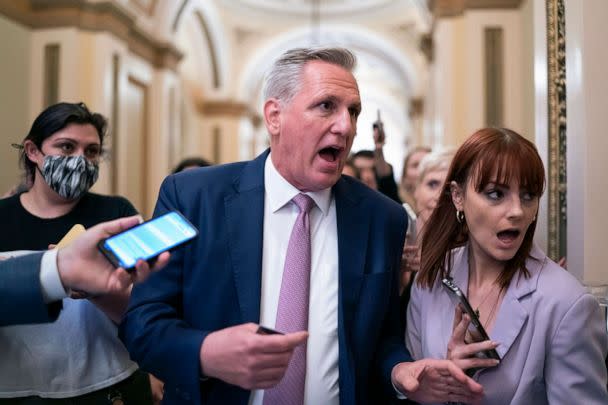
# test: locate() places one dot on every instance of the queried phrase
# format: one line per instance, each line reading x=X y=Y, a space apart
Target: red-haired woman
x=546 y=328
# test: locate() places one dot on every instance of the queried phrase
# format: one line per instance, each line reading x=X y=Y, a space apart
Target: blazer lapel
x=512 y=315
x=353 y=232
x=245 y=223
x=509 y=321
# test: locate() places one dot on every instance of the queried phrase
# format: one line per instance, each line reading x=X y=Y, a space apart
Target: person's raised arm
x=383 y=169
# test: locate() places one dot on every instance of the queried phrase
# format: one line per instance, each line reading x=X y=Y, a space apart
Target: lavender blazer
x=553 y=339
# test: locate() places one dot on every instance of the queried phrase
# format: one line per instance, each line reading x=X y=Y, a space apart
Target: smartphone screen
x=148 y=240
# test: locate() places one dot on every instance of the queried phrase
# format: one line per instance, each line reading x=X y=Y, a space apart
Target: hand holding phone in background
x=378 y=127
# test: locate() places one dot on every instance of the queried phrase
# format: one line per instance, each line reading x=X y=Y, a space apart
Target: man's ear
x=457 y=195
x=272 y=116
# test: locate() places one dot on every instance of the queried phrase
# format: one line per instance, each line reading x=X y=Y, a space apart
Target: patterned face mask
x=69 y=176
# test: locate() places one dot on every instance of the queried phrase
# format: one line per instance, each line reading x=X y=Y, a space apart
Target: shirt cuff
x=400 y=395
x=50 y=281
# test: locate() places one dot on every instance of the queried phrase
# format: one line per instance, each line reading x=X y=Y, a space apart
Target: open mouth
x=508 y=235
x=330 y=154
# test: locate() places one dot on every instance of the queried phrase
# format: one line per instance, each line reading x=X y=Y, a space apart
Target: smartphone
x=410 y=234
x=147 y=240
x=380 y=127
x=70 y=236
x=476 y=330
x=264 y=330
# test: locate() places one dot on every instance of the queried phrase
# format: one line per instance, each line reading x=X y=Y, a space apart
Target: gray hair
x=283 y=80
x=434 y=161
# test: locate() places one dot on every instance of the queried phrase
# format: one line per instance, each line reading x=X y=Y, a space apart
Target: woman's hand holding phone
x=464 y=354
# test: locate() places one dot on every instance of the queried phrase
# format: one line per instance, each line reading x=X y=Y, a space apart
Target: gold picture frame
x=556 y=165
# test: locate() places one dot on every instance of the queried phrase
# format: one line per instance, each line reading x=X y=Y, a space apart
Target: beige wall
x=14 y=95
x=527 y=69
x=587 y=141
x=143 y=132
x=459 y=73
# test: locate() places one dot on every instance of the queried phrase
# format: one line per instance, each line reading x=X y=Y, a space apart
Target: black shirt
x=20 y=230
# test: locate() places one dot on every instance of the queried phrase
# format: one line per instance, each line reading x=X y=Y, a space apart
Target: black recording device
x=380 y=127
x=264 y=330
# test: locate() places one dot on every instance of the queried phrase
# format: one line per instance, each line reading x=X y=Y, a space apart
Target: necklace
x=485 y=299
x=491 y=313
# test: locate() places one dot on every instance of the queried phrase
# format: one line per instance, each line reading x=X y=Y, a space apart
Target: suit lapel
x=245 y=223
x=353 y=232
x=512 y=315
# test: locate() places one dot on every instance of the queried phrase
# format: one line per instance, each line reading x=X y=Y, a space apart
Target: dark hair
x=193 y=161
x=364 y=154
x=349 y=162
x=490 y=154
x=55 y=118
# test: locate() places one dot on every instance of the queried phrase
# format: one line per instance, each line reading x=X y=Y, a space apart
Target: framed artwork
x=557 y=173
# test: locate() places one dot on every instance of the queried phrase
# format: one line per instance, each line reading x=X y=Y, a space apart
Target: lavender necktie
x=292 y=311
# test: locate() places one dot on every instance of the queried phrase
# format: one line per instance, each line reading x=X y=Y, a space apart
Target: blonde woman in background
x=409 y=175
x=432 y=172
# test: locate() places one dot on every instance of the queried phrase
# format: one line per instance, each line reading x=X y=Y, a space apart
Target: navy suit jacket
x=215 y=282
x=21 y=298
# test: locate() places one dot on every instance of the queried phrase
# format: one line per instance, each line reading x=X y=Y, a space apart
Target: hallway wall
x=14 y=98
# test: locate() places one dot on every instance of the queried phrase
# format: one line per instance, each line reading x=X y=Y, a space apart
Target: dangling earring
x=460 y=216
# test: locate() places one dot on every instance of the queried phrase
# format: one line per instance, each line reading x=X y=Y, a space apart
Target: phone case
x=411 y=224
x=70 y=236
x=478 y=327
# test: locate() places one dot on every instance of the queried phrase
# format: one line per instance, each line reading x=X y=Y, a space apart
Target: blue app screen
x=150 y=239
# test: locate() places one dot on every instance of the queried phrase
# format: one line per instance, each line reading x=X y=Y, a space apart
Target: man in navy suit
x=32 y=285
x=195 y=325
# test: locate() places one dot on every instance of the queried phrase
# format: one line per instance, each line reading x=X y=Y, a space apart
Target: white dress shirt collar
x=279 y=191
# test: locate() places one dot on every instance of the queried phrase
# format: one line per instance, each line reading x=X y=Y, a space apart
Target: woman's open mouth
x=508 y=235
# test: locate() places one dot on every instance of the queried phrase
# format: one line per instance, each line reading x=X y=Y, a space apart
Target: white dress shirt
x=322 y=375
x=50 y=281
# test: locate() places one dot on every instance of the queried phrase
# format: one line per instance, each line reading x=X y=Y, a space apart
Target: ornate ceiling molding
x=329 y=8
x=452 y=8
x=100 y=16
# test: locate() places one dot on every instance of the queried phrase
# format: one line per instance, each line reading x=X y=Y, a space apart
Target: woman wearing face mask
x=546 y=328
x=78 y=358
